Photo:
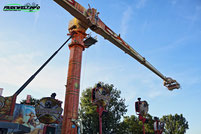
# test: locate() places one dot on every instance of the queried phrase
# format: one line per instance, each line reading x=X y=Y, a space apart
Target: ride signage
x=2 y=102
x=141 y=107
x=48 y=110
x=7 y=105
x=100 y=96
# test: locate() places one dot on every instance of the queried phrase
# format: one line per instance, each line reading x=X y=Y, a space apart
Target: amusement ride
x=80 y=40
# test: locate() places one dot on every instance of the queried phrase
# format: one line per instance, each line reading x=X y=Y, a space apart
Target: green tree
x=149 y=126
x=132 y=125
x=111 y=121
x=175 y=124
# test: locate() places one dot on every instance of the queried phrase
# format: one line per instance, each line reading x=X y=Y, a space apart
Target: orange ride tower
x=73 y=80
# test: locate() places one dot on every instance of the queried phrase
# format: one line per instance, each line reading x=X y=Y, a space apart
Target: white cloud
x=173 y=2
x=15 y=72
x=174 y=44
x=141 y=3
x=36 y=17
x=37 y=14
x=125 y=21
x=127 y=79
x=17 y=66
x=193 y=17
x=154 y=93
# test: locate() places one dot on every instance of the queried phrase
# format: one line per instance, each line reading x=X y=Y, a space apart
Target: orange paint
x=73 y=83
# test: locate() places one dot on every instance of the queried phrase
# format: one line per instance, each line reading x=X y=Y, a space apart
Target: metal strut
x=34 y=75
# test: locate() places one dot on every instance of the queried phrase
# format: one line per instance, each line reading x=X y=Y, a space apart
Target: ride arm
x=89 y=18
x=116 y=40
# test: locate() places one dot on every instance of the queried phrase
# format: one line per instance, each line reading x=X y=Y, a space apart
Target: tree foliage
x=111 y=121
x=175 y=124
x=132 y=125
x=33 y=101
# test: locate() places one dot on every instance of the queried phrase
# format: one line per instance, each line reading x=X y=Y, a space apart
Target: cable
x=34 y=75
x=84 y=69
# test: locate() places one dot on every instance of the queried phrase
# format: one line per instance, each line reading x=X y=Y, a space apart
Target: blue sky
x=167 y=33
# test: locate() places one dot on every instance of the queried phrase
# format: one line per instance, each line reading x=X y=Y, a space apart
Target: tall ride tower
x=77 y=45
